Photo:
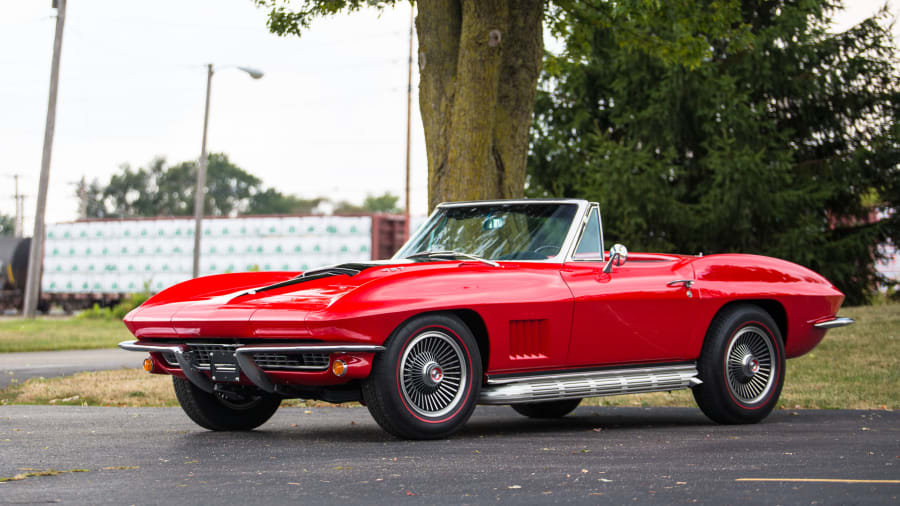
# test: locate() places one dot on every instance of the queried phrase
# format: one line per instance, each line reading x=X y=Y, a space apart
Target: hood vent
x=350 y=269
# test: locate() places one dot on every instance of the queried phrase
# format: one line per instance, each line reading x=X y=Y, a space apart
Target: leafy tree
x=386 y=203
x=162 y=190
x=7 y=225
x=782 y=141
x=479 y=63
x=271 y=201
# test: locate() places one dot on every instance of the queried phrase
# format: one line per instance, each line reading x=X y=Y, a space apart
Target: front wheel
x=213 y=412
x=741 y=365
x=426 y=383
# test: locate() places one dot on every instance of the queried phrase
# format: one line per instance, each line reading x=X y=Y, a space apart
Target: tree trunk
x=479 y=63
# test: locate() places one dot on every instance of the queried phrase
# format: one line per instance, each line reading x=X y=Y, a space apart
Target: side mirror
x=617 y=256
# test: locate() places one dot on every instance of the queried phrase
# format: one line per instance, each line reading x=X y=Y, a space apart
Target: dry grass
x=855 y=367
x=121 y=388
x=124 y=388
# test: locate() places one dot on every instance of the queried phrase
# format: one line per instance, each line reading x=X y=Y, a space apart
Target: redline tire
x=210 y=412
x=551 y=409
x=742 y=366
x=426 y=383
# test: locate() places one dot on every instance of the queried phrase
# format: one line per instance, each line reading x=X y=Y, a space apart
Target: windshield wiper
x=452 y=254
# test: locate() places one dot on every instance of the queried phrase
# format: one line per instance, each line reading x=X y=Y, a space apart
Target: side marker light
x=339 y=367
x=148 y=365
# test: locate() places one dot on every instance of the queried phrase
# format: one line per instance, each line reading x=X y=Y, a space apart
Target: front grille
x=307 y=361
x=170 y=359
x=200 y=352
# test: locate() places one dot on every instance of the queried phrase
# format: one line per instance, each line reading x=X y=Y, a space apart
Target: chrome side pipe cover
x=588 y=384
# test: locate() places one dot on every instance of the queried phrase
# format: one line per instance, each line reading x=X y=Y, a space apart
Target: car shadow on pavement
x=358 y=428
x=589 y=419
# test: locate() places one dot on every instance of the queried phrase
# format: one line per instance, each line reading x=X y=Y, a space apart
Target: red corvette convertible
x=500 y=302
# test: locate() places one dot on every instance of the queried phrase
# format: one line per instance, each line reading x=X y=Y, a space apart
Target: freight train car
x=100 y=262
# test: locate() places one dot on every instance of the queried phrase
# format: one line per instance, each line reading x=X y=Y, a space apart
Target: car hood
x=262 y=304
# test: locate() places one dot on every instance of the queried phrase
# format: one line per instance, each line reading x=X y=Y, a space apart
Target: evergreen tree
x=781 y=140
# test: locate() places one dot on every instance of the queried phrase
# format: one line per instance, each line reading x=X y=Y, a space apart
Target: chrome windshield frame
x=570 y=257
x=583 y=208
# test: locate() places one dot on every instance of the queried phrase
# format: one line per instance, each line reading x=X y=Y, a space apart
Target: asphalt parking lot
x=339 y=456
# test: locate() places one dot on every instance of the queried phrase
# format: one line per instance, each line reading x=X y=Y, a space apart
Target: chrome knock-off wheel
x=741 y=365
x=433 y=374
x=749 y=369
x=426 y=382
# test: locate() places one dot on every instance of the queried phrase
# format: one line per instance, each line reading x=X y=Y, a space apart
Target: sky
x=327 y=119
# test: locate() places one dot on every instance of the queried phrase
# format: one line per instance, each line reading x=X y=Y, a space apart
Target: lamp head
x=255 y=74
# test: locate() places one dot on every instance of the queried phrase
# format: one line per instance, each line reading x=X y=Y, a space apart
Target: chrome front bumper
x=244 y=357
x=834 y=323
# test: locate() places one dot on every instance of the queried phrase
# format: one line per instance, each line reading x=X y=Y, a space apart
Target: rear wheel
x=741 y=365
x=215 y=412
x=426 y=383
x=551 y=409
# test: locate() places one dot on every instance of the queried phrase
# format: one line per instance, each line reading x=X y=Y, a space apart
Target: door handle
x=687 y=283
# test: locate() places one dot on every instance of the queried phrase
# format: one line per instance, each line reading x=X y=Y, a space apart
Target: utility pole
x=19 y=222
x=408 y=117
x=36 y=254
x=82 y=198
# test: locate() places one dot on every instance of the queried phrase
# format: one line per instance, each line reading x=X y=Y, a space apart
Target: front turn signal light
x=339 y=367
x=148 y=365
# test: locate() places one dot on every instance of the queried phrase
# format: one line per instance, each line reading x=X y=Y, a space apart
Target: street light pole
x=408 y=122
x=200 y=190
x=36 y=253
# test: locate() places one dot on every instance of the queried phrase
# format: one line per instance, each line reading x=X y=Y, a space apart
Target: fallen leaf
x=409 y=493
x=514 y=486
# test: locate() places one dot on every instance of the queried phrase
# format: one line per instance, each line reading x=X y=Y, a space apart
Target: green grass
x=49 y=334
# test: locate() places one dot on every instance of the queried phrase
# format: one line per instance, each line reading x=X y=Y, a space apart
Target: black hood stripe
x=350 y=269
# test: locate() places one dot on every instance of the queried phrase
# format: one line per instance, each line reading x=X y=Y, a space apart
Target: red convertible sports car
x=499 y=302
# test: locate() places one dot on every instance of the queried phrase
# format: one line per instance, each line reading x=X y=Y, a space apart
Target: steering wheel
x=547 y=246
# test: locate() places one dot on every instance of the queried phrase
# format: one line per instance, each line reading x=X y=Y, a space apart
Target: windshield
x=532 y=231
